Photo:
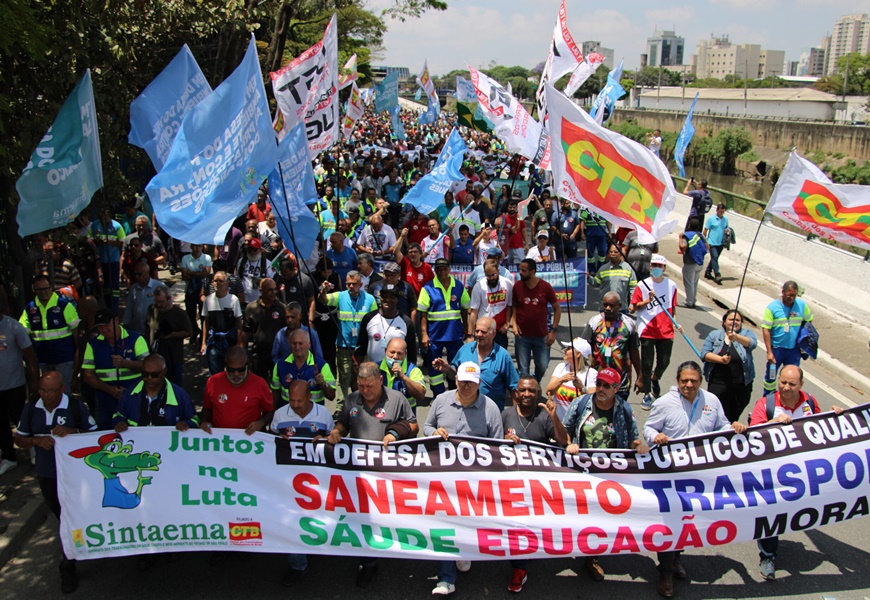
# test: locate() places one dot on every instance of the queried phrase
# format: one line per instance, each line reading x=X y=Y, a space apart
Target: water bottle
x=771 y=371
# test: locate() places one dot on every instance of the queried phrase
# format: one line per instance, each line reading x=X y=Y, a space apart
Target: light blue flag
x=465 y=90
x=225 y=148
x=157 y=113
x=301 y=190
x=398 y=129
x=426 y=117
x=684 y=138
x=66 y=169
x=428 y=194
x=608 y=96
x=387 y=93
x=418 y=94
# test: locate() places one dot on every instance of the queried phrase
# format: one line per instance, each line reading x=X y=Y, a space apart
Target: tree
x=857 y=66
x=46 y=47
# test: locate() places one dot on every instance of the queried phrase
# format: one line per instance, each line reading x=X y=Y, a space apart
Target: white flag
x=806 y=198
x=609 y=173
x=425 y=82
x=563 y=57
x=354 y=111
x=513 y=123
x=307 y=89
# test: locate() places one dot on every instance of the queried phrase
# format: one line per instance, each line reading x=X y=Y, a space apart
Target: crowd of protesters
x=375 y=318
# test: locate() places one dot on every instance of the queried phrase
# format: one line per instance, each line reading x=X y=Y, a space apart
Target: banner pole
x=683 y=333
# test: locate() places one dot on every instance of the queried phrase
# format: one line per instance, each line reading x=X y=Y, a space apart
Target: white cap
x=580 y=345
x=468 y=371
x=658 y=259
x=543 y=233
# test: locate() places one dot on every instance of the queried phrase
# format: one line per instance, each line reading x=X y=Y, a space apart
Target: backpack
x=705 y=202
x=770 y=407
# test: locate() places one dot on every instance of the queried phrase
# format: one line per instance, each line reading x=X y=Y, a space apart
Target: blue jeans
x=447 y=571
x=783 y=356
x=436 y=377
x=713 y=266
x=215 y=352
x=525 y=347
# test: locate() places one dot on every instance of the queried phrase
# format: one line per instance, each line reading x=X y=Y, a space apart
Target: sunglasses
x=151 y=374
x=239 y=370
x=603 y=384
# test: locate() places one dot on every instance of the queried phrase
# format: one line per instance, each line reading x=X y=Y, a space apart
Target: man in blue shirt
x=343 y=258
x=498 y=375
x=463 y=249
x=714 y=233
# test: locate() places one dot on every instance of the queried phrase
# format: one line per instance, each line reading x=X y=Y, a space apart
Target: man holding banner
x=668 y=421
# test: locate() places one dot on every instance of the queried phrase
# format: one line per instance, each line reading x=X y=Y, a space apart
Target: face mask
x=391 y=362
x=657 y=271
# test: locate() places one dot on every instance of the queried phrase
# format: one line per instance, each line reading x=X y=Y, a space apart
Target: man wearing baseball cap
x=253 y=266
x=655 y=329
x=443 y=305
x=392 y=275
x=602 y=420
x=494 y=256
x=463 y=411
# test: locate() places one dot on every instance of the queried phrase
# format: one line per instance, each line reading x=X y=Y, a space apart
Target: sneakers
x=517 y=580
x=647 y=402
x=365 y=576
x=593 y=569
x=708 y=275
x=463 y=566
x=718 y=279
x=656 y=386
x=443 y=589
x=768 y=568
x=292 y=577
x=7 y=465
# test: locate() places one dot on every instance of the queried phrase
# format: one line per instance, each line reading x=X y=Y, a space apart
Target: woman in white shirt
x=572 y=377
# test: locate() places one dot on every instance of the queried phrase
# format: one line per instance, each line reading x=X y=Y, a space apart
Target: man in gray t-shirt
x=16 y=351
x=376 y=413
x=463 y=411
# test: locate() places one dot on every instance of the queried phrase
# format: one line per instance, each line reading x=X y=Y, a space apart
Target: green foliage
x=851 y=172
x=717 y=153
x=818 y=157
x=749 y=156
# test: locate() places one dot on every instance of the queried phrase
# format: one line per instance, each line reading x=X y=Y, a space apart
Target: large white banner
x=806 y=198
x=156 y=489
x=307 y=89
x=513 y=123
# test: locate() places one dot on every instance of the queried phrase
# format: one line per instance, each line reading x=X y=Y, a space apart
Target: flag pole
x=289 y=224
x=565 y=278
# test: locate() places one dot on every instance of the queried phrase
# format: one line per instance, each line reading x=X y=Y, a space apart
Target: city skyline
x=511 y=32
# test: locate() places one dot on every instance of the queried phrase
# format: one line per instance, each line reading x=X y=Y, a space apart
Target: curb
x=850 y=375
x=28 y=519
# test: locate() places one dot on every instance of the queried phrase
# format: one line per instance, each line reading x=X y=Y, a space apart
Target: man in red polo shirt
x=237 y=398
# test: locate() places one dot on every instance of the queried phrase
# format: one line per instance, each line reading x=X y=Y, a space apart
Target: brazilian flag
x=471 y=116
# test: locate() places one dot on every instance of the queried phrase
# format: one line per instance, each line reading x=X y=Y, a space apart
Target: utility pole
x=659 y=91
x=745 y=84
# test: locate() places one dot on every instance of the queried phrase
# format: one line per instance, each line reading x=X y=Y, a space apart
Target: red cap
x=103 y=441
x=255 y=243
x=610 y=376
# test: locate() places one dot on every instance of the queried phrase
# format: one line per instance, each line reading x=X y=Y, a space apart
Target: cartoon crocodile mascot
x=113 y=457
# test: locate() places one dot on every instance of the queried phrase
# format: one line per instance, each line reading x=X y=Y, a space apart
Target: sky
x=515 y=32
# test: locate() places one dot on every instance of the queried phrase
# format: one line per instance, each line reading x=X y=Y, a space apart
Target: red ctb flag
x=614 y=176
x=806 y=198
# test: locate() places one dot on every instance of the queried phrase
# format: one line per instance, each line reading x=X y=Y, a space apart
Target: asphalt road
x=827 y=563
